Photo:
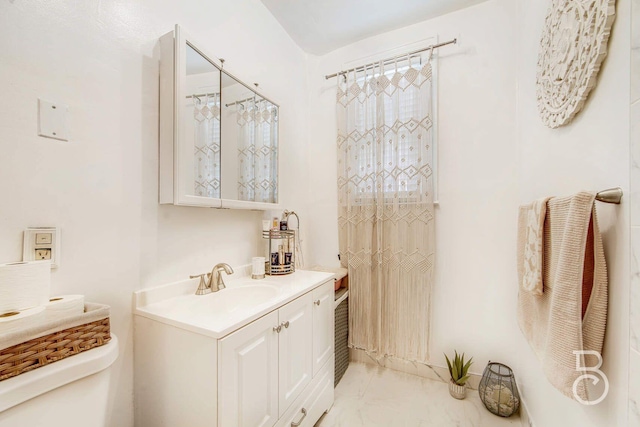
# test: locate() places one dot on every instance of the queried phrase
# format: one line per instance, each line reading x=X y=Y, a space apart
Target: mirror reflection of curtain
x=257 y=150
x=385 y=203
x=206 y=114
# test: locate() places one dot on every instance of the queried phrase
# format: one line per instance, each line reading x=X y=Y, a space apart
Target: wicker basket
x=41 y=351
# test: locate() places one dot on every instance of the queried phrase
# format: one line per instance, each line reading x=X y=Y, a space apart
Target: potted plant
x=458 y=369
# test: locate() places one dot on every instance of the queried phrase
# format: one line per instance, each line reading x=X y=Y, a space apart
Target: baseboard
x=425 y=370
x=525 y=418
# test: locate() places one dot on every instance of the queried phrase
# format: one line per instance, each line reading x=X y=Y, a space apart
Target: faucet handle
x=203 y=288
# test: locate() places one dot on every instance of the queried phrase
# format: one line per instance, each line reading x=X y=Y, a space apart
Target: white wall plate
x=52 y=120
x=42 y=243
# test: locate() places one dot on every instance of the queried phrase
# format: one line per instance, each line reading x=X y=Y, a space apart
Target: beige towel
x=571 y=314
x=532 y=278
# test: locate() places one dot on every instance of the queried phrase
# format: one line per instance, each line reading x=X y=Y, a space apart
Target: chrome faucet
x=214 y=281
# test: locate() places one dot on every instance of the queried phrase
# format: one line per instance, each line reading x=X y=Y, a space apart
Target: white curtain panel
x=385 y=198
x=257 y=151
x=206 y=115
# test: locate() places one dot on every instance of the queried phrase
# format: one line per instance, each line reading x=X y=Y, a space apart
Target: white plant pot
x=457 y=391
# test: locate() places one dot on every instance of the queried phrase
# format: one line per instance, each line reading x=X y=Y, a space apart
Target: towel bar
x=610 y=195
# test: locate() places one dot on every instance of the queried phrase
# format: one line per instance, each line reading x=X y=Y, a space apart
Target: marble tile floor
x=371 y=396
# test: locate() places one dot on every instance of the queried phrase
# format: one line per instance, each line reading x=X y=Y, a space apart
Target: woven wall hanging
x=572 y=48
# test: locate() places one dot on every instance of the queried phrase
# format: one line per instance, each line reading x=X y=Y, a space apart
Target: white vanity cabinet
x=323 y=325
x=295 y=365
x=265 y=366
x=276 y=369
x=248 y=375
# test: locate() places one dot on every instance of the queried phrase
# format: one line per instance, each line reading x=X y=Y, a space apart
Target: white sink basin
x=218 y=313
x=225 y=302
x=236 y=298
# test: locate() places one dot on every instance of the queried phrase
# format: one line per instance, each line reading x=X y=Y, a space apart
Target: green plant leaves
x=458 y=369
x=465 y=368
x=462 y=380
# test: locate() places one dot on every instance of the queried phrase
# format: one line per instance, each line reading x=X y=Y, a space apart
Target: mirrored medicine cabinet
x=218 y=135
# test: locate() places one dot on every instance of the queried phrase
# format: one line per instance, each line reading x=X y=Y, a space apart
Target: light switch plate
x=42 y=243
x=52 y=120
x=43 y=238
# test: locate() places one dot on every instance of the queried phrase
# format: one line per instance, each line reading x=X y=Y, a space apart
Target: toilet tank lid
x=14 y=391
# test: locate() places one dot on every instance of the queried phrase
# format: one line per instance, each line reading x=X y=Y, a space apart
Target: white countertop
x=215 y=314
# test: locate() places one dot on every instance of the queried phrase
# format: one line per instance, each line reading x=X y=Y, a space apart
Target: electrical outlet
x=43 y=253
x=42 y=243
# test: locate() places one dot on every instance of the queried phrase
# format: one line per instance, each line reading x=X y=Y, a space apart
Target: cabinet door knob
x=285 y=324
x=304 y=414
x=277 y=328
x=317 y=302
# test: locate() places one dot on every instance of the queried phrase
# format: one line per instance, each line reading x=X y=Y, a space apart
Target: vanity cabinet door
x=296 y=365
x=248 y=375
x=323 y=325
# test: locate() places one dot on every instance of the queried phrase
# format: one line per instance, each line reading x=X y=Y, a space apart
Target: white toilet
x=72 y=392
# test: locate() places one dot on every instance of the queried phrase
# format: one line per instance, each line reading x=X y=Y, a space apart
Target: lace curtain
x=385 y=192
x=257 y=151
x=206 y=115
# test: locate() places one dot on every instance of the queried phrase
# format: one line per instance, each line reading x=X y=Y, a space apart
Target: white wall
x=634 y=187
x=592 y=153
x=101 y=58
x=494 y=154
x=476 y=218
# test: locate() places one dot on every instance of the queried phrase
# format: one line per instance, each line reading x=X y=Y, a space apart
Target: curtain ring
x=364 y=84
x=430 y=54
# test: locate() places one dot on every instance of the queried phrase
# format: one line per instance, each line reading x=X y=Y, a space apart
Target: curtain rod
x=202 y=94
x=389 y=60
x=247 y=99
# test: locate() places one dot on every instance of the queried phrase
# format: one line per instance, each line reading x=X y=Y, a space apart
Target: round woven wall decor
x=573 y=45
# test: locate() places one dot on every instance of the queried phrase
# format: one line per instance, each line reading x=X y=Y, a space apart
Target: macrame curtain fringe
x=385 y=195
